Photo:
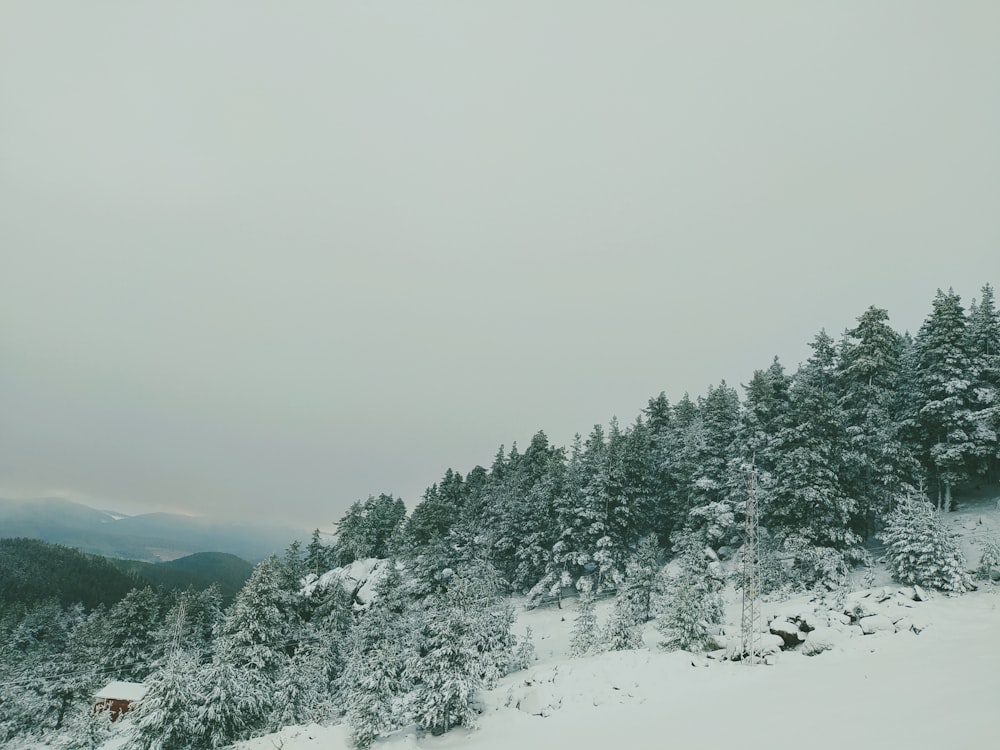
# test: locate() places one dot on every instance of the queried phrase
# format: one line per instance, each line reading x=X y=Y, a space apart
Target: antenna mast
x=750 y=626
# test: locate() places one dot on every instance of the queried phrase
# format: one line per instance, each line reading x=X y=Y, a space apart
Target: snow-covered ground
x=894 y=690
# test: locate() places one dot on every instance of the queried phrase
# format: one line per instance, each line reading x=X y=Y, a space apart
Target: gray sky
x=263 y=259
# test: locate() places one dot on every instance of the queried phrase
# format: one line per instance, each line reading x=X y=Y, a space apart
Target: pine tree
x=945 y=417
x=319 y=557
x=691 y=607
x=163 y=718
x=514 y=512
x=437 y=513
x=133 y=625
x=255 y=638
x=568 y=561
x=444 y=668
x=766 y=412
x=302 y=691
x=633 y=605
x=659 y=421
x=920 y=550
x=984 y=351
x=230 y=705
x=584 y=638
x=808 y=499
x=581 y=513
x=475 y=592
x=989 y=561
x=877 y=463
x=373 y=682
x=256 y=630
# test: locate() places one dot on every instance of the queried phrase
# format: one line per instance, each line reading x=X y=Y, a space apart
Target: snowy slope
x=887 y=690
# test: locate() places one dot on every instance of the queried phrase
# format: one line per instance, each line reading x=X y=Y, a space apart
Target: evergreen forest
x=856 y=455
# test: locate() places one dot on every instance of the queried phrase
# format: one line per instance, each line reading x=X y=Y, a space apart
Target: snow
x=122 y=691
x=872 y=686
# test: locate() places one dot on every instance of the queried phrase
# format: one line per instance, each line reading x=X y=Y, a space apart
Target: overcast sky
x=262 y=259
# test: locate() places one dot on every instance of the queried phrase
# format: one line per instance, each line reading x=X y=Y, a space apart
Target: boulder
x=833 y=617
x=919 y=595
x=876 y=623
x=536 y=701
x=788 y=632
x=769 y=644
x=822 y=639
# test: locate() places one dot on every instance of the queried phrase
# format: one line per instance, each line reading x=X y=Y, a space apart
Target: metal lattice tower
x=750 y=625
x=179 y=625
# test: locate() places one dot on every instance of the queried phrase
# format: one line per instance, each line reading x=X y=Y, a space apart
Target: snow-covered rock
x=536 y=701
x=876 y=623
x=359 y=579
x=788 y=632
x=822 y=639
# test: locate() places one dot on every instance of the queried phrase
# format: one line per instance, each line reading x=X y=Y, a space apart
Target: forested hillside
x=853 y=453
x=32 y=571
x=199 y=571
x=871 y=417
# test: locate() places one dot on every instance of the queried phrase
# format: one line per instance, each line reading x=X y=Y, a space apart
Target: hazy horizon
x=257 y=263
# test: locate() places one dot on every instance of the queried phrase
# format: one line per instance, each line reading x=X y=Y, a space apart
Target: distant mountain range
x=150 y=537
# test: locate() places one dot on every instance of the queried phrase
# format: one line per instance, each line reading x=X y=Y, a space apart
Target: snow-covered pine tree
x=163 y=719
x=567 y=559
x=255 y=636
x=131 y=630
x=989 y=561
x=366 y=530
x=691 y=607
x=437 y=512
x=920 y=550
x=50 y=658
x=984 y=351
x=256 y=630
x=584 y=640
x=633 y=605
x=230 y=704
x=524 y=652
x=766 y=411
x=372 y=685
x=88 y=730
x=944 y=375
x=808 y=500
x=319 y=557
x=444 y=669
x=302 y=691
x=710 y=506
x=877 y=463
x=475 y=591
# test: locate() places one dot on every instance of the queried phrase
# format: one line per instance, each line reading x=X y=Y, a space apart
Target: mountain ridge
x=148 y=537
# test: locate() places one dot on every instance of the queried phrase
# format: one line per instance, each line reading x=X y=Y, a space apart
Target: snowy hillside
x=924 y=675
x=885 y=690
